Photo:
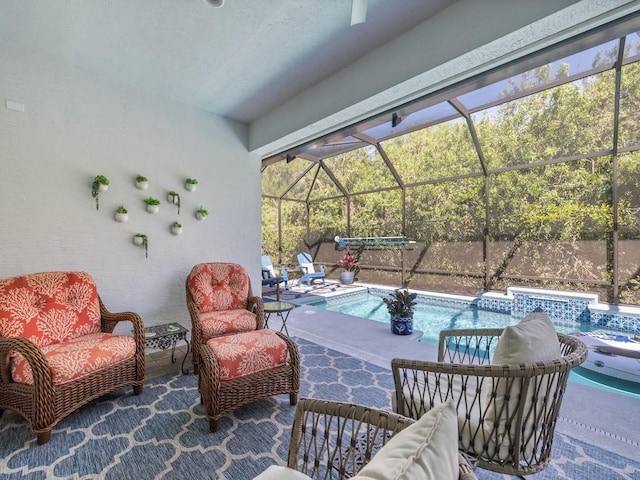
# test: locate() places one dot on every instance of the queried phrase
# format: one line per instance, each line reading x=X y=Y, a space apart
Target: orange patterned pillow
x=219 y=286
x=49 y=307
x=246 y=353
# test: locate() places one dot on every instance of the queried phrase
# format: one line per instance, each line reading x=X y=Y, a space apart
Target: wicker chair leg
x=137 y=389
x=214 y=425
x=293 y=398
x=44 y=437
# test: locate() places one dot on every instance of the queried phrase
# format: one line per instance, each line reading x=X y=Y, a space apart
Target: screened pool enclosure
x=527 y=175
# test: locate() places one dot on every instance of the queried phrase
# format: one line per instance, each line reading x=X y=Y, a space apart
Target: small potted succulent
x=190 y=184
x=400 y=305
x=350 y=266
x=140 y=239
x=100 y=184
x=201 y=213
x=142 y=183
x=153 y=204
x=176 y=228
x=174 y=198
x=122 y=214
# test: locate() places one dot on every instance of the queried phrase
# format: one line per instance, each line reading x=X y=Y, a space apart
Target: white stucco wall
x=75 y=126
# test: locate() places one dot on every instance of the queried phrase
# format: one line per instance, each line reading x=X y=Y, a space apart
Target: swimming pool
x=431 y=318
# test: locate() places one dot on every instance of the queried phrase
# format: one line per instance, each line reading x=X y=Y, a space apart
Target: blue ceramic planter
x=401 y=325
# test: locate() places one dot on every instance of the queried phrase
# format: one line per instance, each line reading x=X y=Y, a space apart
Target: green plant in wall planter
x=176 y=228
x=100 y=184
x=190 y=184
x=153 y=204
x=121 y=214
x=141 y=182
x=141 y=239
x=174 y=198
x=201 y=213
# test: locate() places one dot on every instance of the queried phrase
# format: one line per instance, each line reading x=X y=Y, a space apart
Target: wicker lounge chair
x=331 y=440
x=220 y=302
x=48 y=322
x=506 y=413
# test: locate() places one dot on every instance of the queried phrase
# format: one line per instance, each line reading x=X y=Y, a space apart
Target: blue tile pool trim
x=519 y=302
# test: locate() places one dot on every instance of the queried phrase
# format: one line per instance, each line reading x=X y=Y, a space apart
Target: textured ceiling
x=238 y=61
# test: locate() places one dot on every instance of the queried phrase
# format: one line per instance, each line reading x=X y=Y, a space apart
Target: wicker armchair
x=506 y=413
x=331 y=440
x=47 y=322
x=220 y=302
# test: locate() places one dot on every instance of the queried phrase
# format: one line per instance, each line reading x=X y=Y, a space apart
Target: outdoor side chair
x=506 y=413
x=58 y=350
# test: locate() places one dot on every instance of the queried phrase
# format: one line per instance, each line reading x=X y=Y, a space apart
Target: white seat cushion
x=276 y=472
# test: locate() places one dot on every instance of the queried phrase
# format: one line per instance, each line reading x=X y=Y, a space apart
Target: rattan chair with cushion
x=58 y=350
x=220 y=302
x=508 y=401
x=331 y=440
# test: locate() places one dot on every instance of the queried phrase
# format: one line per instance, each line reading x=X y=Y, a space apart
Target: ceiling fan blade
x=359 y=11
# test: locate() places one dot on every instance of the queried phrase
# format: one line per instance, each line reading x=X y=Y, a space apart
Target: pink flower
x=348 y=262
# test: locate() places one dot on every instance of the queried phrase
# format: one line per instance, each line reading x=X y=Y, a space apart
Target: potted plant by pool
x=141 y=182
x=121 y=214
x=100 y=184
x=190 y=184
x=174 y=198
x=153 y=204
x=400 y=306
x=201 y=213
x=176 y=228
x=350 y=267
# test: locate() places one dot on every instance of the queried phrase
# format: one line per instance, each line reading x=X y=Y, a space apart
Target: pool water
x=430 y=319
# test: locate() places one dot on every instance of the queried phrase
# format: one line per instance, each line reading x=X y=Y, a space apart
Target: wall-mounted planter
x=142 y=183
x=122 y=215
x=153 y=204
x=140 y=239
x=173 y=197
x=201 y=213
x=190 y=184
x=100 y=184
x=176 y=228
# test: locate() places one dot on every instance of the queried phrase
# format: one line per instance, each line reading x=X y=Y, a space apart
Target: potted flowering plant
x=400 y=305
x=350 y=266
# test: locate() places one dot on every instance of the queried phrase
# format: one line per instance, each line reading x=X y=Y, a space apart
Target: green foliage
x=151 y=201
x=540 y=204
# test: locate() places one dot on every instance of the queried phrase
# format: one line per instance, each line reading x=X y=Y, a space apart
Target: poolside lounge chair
x=309 y=273
x=269 y=272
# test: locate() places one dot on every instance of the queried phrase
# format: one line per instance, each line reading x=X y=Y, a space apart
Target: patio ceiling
x=582 y=54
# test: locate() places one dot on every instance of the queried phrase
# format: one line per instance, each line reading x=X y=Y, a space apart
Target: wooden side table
x=165 y=336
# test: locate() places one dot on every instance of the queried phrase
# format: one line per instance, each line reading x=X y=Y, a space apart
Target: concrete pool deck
x=609 y=420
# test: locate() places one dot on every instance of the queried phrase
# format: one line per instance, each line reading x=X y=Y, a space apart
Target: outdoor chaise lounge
x=309 y=273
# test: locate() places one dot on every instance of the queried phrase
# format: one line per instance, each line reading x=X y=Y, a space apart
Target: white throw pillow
x=276 y=472
x=427 y=450
x=534 y=339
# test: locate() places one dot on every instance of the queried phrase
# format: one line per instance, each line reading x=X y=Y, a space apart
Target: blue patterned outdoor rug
x=164 y=434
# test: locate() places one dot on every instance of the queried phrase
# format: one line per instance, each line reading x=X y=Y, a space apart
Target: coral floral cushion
x=219 y=286
x=246 y=353
x=49 y=307
x=78 y=357
x=228 y=321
